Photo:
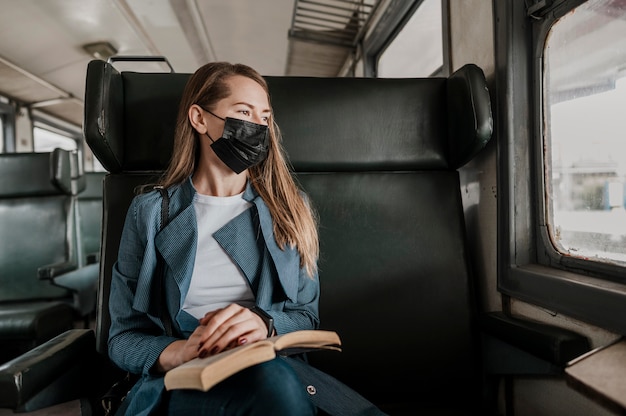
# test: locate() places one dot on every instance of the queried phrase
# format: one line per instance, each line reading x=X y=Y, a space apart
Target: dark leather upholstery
x=33 y=381
x=373 y=156
x=27 y=324
x=41 y=253
x=377 y=160
x=427 y=108
x=35 y=209
x=549 y=343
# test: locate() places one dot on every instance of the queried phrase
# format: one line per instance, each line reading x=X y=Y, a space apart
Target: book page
x=307 y=339
x=204 y=373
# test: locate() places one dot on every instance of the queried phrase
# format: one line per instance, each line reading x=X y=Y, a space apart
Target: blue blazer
x=137 y=336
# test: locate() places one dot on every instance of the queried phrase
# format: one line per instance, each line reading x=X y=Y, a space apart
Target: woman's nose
x=259 y=118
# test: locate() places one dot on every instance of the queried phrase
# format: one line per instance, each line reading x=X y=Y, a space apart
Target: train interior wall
x=472 y=40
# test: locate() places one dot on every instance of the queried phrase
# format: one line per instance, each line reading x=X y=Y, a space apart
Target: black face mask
x=242 y=145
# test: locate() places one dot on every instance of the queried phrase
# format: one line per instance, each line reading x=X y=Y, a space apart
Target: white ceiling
x=45 y=37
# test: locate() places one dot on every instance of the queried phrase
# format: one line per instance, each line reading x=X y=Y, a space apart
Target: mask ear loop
x=211 y=112
x=214 y=115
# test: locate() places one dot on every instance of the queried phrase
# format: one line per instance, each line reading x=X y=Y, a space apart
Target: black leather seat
x=379 y=159
x=45 y=285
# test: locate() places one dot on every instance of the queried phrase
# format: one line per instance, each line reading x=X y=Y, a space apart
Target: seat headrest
x=339 y=124
x=130 y=117
x=35 y=174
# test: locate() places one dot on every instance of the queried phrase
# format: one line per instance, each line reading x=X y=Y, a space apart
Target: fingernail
x=214 y=350
x=242 y=341
x=202 y=354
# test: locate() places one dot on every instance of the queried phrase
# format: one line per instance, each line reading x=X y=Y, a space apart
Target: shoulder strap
x=165 y=206
x=160 y=269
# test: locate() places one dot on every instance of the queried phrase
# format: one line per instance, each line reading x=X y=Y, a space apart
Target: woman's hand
x=229 y=327
x=219 y=330
x=181 y=351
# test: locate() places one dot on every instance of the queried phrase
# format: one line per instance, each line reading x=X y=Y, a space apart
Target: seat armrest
x=83 y=283
x=547 y=342
x=24 y=379
x=51 y=271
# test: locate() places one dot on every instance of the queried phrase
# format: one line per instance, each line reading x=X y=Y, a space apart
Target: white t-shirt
x=216 y=281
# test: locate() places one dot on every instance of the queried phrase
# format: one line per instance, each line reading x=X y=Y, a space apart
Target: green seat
x=89 y=218
x=44 y=287
x=35 y=210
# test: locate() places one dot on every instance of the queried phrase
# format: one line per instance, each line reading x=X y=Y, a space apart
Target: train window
x=561 y=225
x=6 y=125
x=92 y=164
x=584 y=94
x=417 y=50
x=47 y=140
x=2 y=139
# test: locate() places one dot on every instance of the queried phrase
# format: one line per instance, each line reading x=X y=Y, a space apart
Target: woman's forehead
x=248 y=91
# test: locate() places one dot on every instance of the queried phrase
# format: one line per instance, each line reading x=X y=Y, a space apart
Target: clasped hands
x=218 y=331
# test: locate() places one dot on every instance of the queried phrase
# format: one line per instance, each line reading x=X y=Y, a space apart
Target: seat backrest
x=379 y=159
x=35 y=222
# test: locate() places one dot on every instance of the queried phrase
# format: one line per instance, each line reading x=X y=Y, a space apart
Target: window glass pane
x=585 y=146
x=46 y=141
x=417 y=51
x=92 y=164
x=2 y=133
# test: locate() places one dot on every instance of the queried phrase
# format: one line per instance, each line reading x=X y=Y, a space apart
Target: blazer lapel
x=177 y=244
x=241 y=239
x=286 y=260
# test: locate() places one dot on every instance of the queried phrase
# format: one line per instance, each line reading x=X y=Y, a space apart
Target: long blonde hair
x=295 y=221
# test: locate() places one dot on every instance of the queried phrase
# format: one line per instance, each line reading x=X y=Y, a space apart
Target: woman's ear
x=196 y=117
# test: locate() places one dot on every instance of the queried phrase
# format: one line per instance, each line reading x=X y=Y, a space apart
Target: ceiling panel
x=252 y=32
x=44 y=39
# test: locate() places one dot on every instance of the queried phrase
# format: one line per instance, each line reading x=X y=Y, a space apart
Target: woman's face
x=248 y=101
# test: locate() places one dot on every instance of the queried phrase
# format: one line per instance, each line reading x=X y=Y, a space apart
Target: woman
x=240 y=248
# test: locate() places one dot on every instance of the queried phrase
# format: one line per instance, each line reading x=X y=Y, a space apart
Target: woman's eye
x=245 y=112
x=265 y=119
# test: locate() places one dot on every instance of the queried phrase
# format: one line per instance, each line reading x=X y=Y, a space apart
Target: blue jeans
x=270 y=388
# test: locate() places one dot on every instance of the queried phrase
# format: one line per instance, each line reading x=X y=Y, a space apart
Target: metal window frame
x=7 y=112
x=397 y=14
x=579 y=289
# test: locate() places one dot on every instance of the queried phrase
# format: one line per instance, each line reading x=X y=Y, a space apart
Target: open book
x=204 y=373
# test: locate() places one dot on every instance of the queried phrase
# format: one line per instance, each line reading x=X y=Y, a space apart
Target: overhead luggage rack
x=324 y=32
x=337 y=22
